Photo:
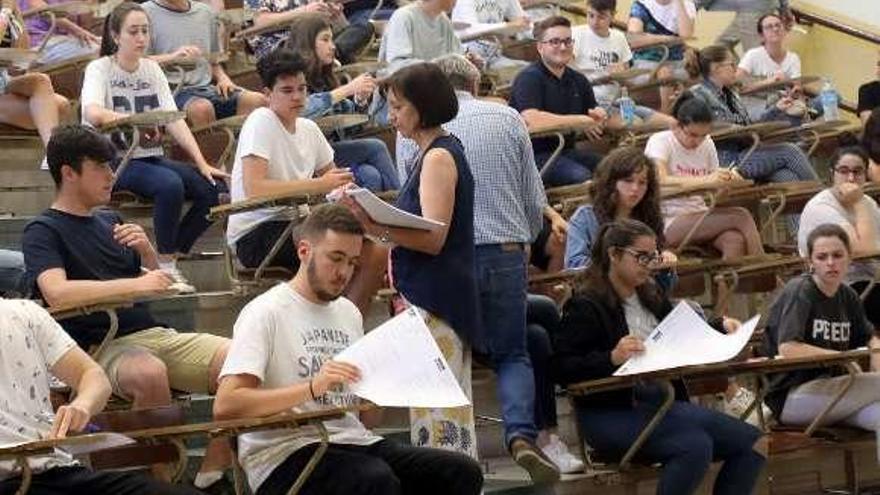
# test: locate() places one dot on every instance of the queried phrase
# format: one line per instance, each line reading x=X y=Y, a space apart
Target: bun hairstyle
x=698 y=64
x=113 y=26
x=690 y=109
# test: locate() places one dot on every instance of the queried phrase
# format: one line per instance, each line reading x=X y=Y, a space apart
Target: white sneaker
x=739 y=403
x=179 y=283
x=558 y=452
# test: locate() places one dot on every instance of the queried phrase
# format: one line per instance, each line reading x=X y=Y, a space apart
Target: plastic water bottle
x=627 y=107
x=828 y=97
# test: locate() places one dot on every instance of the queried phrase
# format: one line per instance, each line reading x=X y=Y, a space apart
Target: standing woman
x=435 y=269
x=614 y=308
x=818 y=314
x=123 y=82
x=782 y=162
x=311 y=35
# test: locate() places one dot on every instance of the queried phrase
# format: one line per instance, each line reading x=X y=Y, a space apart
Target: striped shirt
x=509 y=196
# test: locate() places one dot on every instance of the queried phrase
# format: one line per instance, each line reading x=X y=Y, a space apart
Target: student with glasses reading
x=845 y=204
x=615 y=306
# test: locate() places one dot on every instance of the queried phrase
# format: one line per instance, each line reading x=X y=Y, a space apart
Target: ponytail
x=113 y=26
x=699 y=64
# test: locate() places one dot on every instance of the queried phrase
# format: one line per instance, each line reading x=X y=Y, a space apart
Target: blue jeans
x=685 y=442
x=370 y=162
x=501 y=279
x=168 y=183
x=12 y=273
x=572 y=166
x=223 y=107
x=363 y=16
x=542 y=318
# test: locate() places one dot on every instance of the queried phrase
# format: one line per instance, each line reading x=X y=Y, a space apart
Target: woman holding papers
x=435 y=269
x=617 y=305
x=311 y=35
x=816 y=314
x=686 y=156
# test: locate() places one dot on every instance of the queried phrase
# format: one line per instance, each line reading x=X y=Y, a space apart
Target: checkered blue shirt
x=509 y=196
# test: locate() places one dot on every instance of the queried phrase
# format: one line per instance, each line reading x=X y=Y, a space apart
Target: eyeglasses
x=775 y=25
x=557 y=42
x=644 y=258
x=846 y=171
x=730 y=63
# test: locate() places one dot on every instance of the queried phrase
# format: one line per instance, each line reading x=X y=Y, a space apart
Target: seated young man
x=75 y=251
x=602 y=51
x=549 y=93
x=34 y=348
x=180 y=28
x=281 y=359
x=278 y=152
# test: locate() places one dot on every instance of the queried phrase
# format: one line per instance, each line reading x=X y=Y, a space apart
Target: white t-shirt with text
x=682 y=162
x=595 y=53
x=282 y=338
x=291 y=156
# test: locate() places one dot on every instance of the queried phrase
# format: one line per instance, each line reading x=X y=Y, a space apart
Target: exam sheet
x=683 y=338
x=401 y=366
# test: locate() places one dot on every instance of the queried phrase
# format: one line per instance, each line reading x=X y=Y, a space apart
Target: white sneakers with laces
x=558 y=452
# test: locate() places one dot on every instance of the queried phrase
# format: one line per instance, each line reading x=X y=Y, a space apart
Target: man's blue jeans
x=685 y=442
x=370 y=163
x=572 y=166
x=501 y=278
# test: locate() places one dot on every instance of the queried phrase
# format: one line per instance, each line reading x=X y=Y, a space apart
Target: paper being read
x=683 y=338
x=401 y=366
x=384 y=213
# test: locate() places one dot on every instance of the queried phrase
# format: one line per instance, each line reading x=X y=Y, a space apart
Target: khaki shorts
x=186 y=355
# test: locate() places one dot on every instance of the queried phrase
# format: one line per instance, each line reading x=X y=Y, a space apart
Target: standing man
x=549 y=93
x=282 y=358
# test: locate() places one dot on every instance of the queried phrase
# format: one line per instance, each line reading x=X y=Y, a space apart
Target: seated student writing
x=818 y=314
x=306 y=320
x=615 y=306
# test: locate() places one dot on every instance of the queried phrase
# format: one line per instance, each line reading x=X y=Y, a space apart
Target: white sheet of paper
x=401 y=366
x=683 y=338
x=93 y=442
x=386 y=214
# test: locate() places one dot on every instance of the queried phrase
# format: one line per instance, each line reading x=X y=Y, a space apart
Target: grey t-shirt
x=413 y=36
x=171 y=29
x=825 y=208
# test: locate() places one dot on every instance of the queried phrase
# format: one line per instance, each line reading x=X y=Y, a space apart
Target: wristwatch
x=385 y=238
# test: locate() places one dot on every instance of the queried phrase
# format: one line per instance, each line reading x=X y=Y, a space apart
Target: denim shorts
x=223 y=107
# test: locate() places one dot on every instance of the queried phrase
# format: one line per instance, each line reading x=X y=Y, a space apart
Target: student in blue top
x=311 y=35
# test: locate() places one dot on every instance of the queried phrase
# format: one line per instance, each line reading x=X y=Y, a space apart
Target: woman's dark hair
x=595 y=283
x=849 y=150
x=690 y=109
x=618 y=165
x=70 y=144
x=871 y=136
x=699 y=63
x=304 y=31
x=760 y=26
x=281 y=62
x=426 y=87
x=113 y=25
x=827 y=230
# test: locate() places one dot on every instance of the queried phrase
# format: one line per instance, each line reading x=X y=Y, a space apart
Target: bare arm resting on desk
x=256 y=183
x=58 y=290
x=92 y=390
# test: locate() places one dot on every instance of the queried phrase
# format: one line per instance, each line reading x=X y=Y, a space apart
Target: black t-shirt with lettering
x=84 y=247
x=803 y=313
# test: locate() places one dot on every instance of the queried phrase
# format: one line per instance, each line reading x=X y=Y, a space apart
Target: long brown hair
x=618 y=165
x=304 y=31
x=595 y=282
x=699 y=63
x=113 y=25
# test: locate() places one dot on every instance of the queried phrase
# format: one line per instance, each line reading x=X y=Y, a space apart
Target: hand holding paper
x=401 y=366
x=683 y=338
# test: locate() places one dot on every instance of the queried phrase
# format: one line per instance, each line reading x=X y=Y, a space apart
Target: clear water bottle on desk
x=828 y=97
x=627 y=107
